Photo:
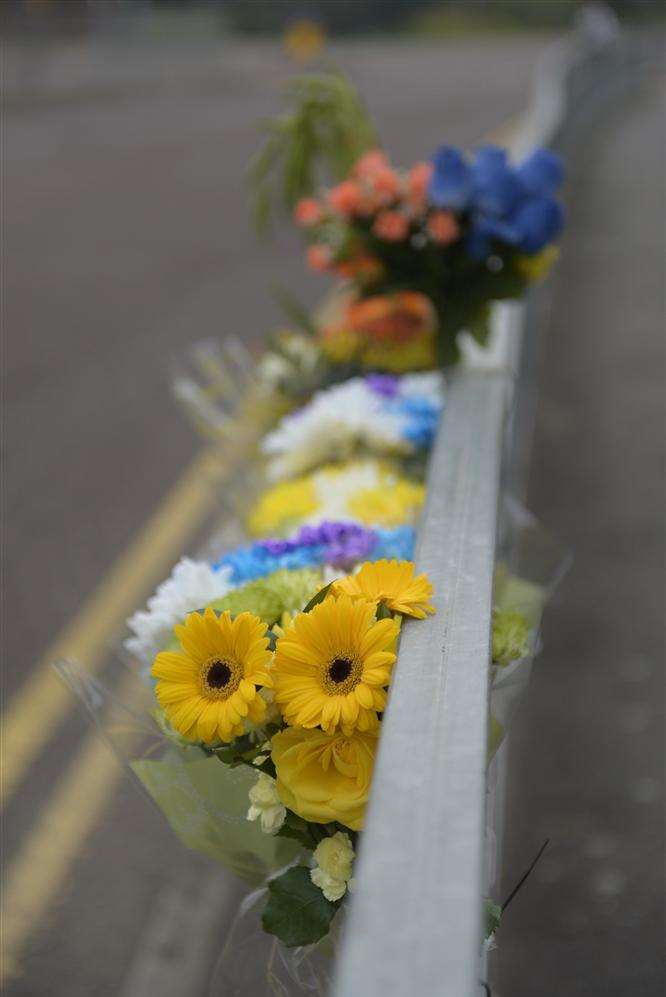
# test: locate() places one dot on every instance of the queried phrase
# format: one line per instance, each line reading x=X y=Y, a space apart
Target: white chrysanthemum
x=333 y=426
x=266 y=805
x=336 y=488
x=334 y=858
x=192 y=585
x=428 y=385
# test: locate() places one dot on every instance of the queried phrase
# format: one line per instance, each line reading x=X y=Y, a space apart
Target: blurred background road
x=127 y=238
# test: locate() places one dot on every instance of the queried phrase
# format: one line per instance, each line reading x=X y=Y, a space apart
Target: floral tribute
x=426 y=250
x=297 y=696
x=269 y=665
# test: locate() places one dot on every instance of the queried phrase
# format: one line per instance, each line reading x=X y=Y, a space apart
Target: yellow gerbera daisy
x=332 y=664
x=391 y=583
x=211 y=687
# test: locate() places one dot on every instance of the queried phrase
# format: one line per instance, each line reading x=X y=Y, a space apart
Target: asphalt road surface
x=126 y=239
x=587 y=749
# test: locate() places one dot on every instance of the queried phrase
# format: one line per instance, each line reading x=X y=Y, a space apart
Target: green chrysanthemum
x=510 y=637
x=285 y=591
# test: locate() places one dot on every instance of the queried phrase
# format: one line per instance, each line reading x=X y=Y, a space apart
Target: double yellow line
x=33 y=716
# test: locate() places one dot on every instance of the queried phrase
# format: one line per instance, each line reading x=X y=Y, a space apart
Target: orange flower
x=392 y=226
x=385 y=186
x=308 y=212
x=395 y=317
x=346 y=199
x=363 y=268
x=370 y=163
x=384 y=331
x=418 y=181
x=443 y=228
x=318 y=257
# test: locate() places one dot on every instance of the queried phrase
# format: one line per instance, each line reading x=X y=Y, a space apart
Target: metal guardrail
x=415 y=924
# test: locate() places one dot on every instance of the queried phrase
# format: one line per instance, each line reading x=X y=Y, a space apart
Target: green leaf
x=383 y=612
x=479 y=325
x=297 y=911
x=493 y=914
x=294 y=310
x=319 y=597
x=242 y=749
x=323 y=132
x=267 y=767
x=298 y=829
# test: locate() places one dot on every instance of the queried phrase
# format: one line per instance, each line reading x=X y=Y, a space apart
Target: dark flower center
x=340 y=669
x=218 y=675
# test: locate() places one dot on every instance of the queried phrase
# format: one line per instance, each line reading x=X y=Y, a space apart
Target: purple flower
x=383 y=384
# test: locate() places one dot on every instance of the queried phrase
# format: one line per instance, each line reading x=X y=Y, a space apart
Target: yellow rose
x=325 y=777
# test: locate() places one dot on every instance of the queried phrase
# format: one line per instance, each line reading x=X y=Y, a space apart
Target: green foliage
x=318 y=140
x=496 y=734
x=299 y=830
x=493 y=914
x=319 y=597
x=510 y=637
x=245 y=750
x=297 y=911
x=295 y=311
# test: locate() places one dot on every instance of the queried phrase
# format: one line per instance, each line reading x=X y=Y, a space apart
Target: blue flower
x=506 y=204
x=542 y=172
x=497 y=186
x=422 y=417
x=538 y=221
x=395 y=544
x=485 y=229
x=452 y=181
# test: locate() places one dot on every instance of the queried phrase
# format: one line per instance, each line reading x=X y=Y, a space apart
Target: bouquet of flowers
x=269 y=698
x=427 y=250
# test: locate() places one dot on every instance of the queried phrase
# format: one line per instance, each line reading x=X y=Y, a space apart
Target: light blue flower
x=396 y=544
x=421 y=419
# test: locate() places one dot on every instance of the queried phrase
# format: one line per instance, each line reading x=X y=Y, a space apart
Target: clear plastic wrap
x=205 y=801
x=530 y=565
x=253 y=962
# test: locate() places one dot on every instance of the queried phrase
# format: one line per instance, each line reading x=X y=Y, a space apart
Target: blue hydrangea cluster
x=511 y=204
x=341 y=545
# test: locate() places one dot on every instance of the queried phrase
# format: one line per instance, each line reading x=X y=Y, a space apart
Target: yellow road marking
x=43 y=700
x=41 y=865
